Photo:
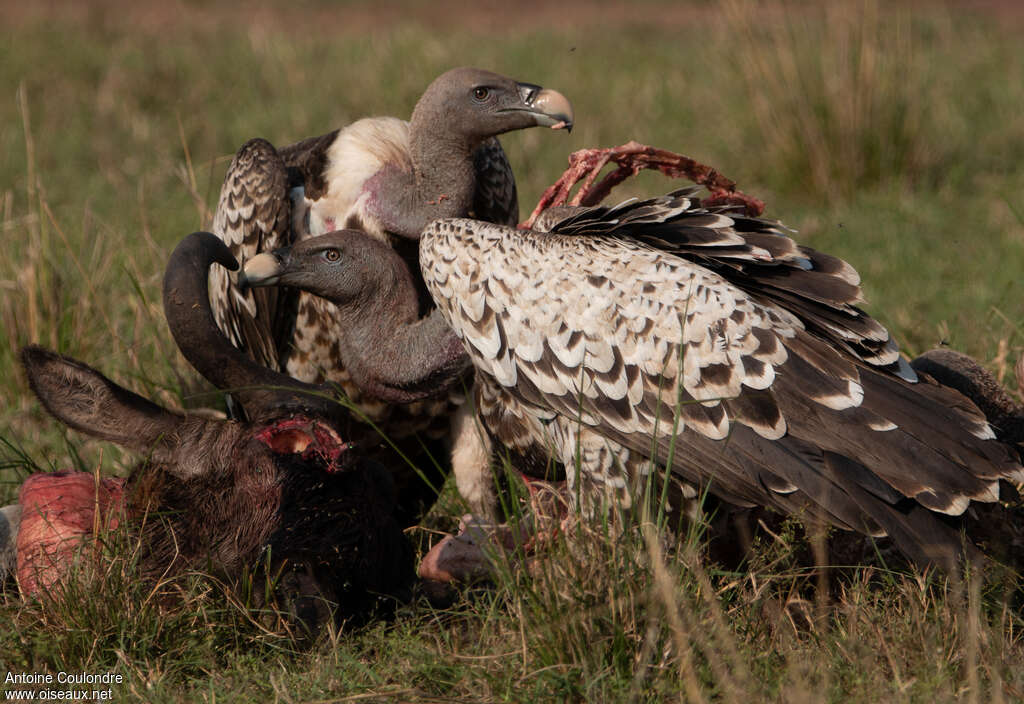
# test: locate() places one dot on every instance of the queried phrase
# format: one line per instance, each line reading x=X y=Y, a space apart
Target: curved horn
x=262 y=391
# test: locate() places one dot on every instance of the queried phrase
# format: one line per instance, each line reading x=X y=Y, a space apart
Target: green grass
x=890 y=138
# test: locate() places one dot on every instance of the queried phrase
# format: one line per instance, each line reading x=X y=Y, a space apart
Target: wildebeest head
x=283 y=491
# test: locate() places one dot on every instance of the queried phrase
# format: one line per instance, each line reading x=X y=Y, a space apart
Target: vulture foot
x=586 y=164
x=474 y=553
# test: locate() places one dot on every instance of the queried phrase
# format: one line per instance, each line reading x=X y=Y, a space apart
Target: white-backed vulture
x=662 y=334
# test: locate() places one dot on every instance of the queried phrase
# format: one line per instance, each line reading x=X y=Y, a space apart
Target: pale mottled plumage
x=625 y=328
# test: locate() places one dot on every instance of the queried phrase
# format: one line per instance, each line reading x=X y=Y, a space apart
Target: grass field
x=890 y=136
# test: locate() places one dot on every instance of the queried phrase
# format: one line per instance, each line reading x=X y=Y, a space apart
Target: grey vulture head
x=475 y=105
x=457 y=113
x=386 y=346
x=660 y=335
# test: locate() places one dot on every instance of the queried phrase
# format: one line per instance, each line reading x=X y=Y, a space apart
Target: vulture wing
x=307 y=164
x=666 y=328
x=254 y=215
x=495 y=199
x=757 y=256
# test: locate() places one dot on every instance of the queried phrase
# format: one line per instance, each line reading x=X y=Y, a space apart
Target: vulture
x=388 y=178
x=392 y=352
x=382 y=175
x=659 y=339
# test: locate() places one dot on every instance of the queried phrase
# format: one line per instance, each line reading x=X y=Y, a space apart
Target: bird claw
x=468 y=555
x=471 y=554
x=586 y=164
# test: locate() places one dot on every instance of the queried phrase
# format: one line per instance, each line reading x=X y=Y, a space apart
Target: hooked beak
x=263 y=269
x=548 y=107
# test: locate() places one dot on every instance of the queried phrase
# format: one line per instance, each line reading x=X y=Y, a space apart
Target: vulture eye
x=480 y=94
x=332 y=255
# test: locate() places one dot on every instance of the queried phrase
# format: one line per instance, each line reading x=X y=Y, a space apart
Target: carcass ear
x=84 y=399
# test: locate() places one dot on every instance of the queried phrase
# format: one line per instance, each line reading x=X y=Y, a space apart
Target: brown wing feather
x=307 y=161
x=758 y=257
x=253 y=215
x=495 y=199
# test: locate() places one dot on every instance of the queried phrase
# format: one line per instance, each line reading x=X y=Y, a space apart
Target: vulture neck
x=443 y=166
x=443 y=179
x=391 y=353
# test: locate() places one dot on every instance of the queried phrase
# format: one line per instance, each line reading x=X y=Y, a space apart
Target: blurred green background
x=890 y=134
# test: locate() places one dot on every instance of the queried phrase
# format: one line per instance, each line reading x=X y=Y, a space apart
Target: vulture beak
x=548 y=107
x=263 y=269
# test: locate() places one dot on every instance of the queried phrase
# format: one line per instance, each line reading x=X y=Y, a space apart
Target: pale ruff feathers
x=360 y=151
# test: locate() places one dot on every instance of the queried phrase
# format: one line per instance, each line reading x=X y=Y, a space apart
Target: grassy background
x=891 y=137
